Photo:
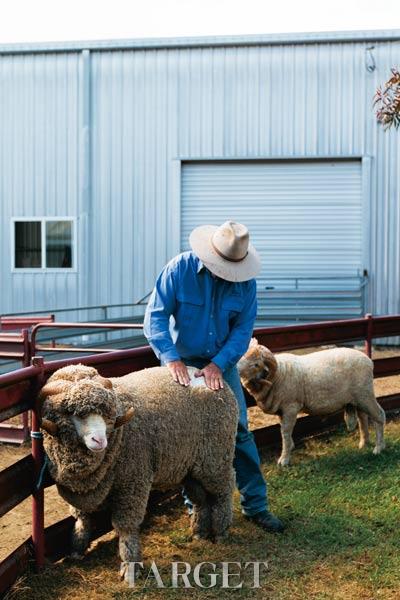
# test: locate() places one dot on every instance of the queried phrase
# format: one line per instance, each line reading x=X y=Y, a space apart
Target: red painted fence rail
x=25 y=322
x=19 y=389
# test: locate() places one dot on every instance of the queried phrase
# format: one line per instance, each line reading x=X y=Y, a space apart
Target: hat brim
x=200 y=242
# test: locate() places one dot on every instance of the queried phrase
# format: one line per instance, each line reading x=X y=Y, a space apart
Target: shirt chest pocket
x=190 y=307
x=232 y=306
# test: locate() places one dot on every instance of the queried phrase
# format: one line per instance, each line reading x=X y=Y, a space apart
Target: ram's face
x=83 y=410
x=92 y=431
x=91 y=406
x=258 y=363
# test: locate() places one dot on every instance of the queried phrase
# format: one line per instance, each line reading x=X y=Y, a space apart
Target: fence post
x=105 y=316
x=38 y=460
x=53 y=342
x=26 y=361
x=368 y=341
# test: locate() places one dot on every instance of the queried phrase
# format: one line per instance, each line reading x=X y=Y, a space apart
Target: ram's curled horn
x=122 y=419
x=105 y=382
x=54 y=387
x=272 y=364
x=49 y=426
x=267 y=384
x=253 y=343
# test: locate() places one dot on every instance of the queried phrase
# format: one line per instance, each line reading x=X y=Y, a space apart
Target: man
x=201 y=313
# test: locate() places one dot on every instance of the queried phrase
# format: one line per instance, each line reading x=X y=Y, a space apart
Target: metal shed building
x=111 y=152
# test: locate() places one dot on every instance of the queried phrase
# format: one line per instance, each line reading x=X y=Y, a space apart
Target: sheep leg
x=129 y=553
x=80 y=534
x=201 y=515
x=219 y=485
x=379 y=431
x=362 y=419
x=201 y=522
x=129 y=509
x=221 y=514
x=288 y=421
x=377 y=414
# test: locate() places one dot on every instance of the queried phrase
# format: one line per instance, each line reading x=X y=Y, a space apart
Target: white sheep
x=320 y=383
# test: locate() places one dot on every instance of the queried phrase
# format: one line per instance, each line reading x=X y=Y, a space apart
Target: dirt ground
x=15 y=526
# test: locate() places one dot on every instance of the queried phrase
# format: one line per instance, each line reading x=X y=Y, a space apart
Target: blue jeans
x=249 y=479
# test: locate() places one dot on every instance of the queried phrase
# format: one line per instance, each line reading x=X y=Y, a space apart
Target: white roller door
x=305 y=219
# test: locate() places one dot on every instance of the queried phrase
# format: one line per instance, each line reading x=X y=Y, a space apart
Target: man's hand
x=179 y=372
x=212 y=375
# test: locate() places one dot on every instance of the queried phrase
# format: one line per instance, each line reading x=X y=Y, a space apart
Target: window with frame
x=43 y=243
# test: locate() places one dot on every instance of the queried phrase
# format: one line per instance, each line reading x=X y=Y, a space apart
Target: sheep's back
x=175 y=423
x=154 y=389
x=344 y=359
x=330 y=377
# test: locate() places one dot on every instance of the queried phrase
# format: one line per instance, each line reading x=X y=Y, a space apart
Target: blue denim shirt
x=192 y=314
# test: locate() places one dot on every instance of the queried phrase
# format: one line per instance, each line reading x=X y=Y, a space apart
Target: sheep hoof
x=283 y=462
x=122 y=570
x=129 y=572
x=200 y=536
x=377 y=449
x=362 y=445
x=129 y=578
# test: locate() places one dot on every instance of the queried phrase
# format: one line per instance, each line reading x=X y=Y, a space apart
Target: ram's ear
x=253 y=343
x=122 y=419
x=49 y=426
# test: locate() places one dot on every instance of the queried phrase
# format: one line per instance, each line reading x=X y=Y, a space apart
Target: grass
x=341 y=507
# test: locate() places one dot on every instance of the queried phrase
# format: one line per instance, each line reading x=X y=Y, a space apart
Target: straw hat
x=226 y=251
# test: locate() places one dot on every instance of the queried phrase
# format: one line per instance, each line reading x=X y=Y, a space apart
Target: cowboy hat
x=226 y=251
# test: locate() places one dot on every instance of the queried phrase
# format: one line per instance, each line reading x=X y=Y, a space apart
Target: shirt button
x=210 y=333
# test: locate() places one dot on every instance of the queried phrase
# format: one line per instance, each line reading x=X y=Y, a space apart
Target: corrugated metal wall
x=39 y=148
x=101 y=137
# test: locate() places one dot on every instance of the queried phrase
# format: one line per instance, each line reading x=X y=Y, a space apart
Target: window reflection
x=28 y=245
x=59 y=244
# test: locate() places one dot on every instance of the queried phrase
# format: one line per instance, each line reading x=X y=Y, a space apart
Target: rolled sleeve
x=238 y=340
x=160 y=307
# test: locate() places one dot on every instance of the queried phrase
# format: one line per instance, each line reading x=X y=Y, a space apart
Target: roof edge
x=367 y=36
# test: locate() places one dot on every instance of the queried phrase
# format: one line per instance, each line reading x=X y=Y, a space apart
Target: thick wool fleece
x=176 y=433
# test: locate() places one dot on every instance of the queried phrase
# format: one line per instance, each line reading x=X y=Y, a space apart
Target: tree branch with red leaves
x=387 y=101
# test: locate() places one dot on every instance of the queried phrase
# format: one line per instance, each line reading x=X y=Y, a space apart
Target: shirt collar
x=200 y=266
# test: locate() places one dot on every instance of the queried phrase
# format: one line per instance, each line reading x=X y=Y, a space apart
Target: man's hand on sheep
x=179 y=372
x=212 y=375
